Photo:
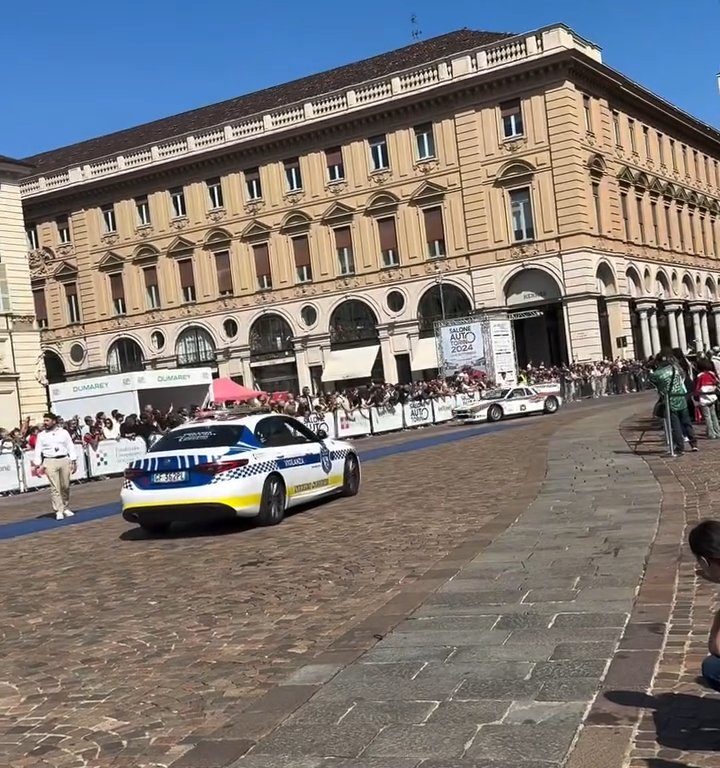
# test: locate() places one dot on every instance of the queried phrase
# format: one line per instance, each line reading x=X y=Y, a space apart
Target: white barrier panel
x=418 y=413
x=387 y=418
x=33 y=480
x=318 y=421
x=112 y=456
x=353 y=423
x=9 y=477
x=465 y=399
x=549 y=388
x=442 y=409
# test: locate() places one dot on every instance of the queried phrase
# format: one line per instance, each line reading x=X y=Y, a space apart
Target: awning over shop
x=355 y=363
x=425 y=355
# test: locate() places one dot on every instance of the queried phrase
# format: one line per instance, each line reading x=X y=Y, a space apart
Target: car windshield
x=495 y=394
x=205 y=436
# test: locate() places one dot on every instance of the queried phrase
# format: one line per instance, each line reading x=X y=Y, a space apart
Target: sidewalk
x=497 y=667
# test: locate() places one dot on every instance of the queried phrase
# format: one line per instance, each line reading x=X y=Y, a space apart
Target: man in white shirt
x=56 y=458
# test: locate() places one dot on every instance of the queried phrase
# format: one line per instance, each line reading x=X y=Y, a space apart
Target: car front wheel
x=272 y=501
x=351 y=476
x=551 y=405
x=494 y=413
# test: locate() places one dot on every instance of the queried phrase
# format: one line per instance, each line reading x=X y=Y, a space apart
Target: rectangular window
x=696 y=163
x=215 y=193
x=177 y=200
x=693 y=243
x=117 y=294
x=673 y=154
x=32 y=237
x=587 y=112
x=434 y=232
x=512 y=121
x=631 y=129
x=142 y=209
x=292 y=175
x=261 y=256
x=640 y=218
x=424 y=141
x=72 y=302
x=703 y=235
x=152 y=290
x=668 y=225
x=388 y=242
x=685 y=168
x=706 y=163
x=655 y=223
x=63 y=228
x=616 y=129
x=187 y=280
x=661 y=146
x=252 y=184
x=4 y=290
x=224 y=273
x=625 y=215
x=379 y=156
x=334 y=163
x=301 y=252
x=598 y=205
x=681 y=228
x=521 y=215
x=343 y=248
x=40 y=303
x=108 y=217
x=646 y=140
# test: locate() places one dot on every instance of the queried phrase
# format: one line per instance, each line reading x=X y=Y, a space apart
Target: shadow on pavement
x=682 y=721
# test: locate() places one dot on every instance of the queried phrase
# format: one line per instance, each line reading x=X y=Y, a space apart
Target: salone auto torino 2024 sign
x=478 y=343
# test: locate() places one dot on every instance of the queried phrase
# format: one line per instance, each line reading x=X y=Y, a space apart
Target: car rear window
x=208 y=436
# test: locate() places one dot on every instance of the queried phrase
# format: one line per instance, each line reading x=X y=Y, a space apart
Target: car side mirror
x=321 y=434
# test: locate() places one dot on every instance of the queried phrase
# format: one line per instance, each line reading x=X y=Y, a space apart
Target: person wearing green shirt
x=668 y=379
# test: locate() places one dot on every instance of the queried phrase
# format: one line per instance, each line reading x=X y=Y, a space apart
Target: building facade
x=314 y=232
x=22 y=390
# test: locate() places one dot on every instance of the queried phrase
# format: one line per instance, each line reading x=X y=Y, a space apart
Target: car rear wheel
x=495 y=413
x=272 y=501
x=155 y=528
x=551 y=404
x=351 y=476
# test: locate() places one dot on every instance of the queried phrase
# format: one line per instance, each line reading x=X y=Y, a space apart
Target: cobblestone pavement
x=119 y=650
x=497 y=666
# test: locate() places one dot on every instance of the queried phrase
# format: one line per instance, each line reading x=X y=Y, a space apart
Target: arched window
x=124 y=355
x=605 y=280
x=351 y=322
x=633 y=282
x=54 y=367
x=195 y=347
x=271 y=336
x=441 y=302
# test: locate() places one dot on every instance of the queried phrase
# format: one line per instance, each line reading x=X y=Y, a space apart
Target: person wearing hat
x=56 y=458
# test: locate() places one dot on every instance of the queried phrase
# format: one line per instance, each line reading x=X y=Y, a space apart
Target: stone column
x=697 y=330
x=654 y=334
x=682 y=336
x=645 y=328
x=301 y=364
x=388 y=358
x=670 y=311
x=704 y=329
x=716 y=318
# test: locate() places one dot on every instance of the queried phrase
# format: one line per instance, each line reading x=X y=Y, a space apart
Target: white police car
x=498 y=404
x=249 y=466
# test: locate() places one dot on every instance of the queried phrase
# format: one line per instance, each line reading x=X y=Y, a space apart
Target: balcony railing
x=352 y=334
x=267 y=348
x=426 y=77
x=189 y=359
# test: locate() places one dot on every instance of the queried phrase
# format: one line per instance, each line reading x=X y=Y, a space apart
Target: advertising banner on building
x=502 y=343
x=461 y=345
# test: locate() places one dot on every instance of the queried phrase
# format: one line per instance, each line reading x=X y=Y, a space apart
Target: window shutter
x=40 y=304
x=116 y=286
x=262 y=259
x=301 y=250
x=334 y=156
x=388 y=234
x=433 y=224
x=150 y=277
x=224 y=274
x=343 y=238
x=187 y=278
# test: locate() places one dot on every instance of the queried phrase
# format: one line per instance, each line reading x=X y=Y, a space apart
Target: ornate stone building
x=22 y=392
x=316 y=230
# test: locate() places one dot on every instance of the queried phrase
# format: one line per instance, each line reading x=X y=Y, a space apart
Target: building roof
x=262 y=101
x=12 y=161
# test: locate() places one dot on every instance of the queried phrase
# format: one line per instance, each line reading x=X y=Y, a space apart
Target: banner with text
x=387 y=418
x=355 y=423
x=460 y=345
x=418 y=414
x=113 y=456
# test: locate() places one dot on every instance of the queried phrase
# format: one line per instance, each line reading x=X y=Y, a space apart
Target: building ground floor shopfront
x=583 y=306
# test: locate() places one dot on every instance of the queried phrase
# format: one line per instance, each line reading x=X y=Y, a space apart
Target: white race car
x=240 y=466
x=497 y=404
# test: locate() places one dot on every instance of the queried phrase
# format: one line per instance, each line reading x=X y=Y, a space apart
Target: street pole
x=442 y=294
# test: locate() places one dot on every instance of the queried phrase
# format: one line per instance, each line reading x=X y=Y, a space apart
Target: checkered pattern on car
x=127 y=485
x=261 y=468
x=340 y=454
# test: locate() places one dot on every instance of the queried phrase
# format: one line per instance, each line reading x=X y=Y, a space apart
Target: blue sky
x=77 y=69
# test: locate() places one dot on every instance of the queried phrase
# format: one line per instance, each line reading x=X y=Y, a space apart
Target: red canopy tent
x=226 y=390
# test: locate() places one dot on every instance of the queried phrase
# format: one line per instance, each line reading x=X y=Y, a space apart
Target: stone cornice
x=349 y=104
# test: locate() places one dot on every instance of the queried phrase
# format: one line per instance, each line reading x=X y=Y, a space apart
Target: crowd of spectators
x=576 y=381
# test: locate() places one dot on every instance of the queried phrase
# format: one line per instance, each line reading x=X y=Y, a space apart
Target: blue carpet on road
x=37 y=525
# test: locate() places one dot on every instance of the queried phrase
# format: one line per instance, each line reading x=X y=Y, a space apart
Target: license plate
x=162 y=478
